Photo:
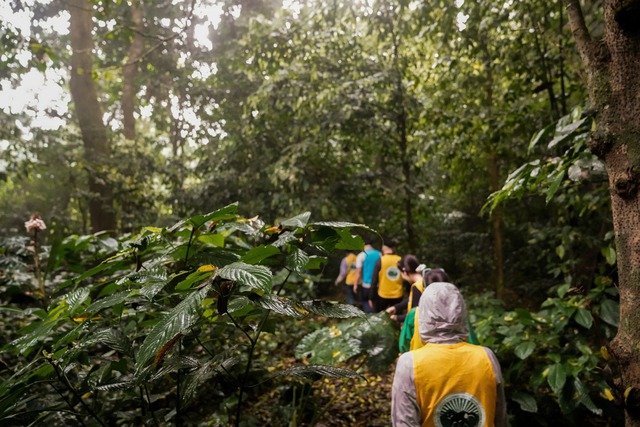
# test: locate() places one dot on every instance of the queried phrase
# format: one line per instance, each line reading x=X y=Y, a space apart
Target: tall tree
x=130 y=70
x=613 y=82
x=89 y=113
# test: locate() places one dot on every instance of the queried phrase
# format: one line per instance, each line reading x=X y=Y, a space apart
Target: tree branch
x=580 y=31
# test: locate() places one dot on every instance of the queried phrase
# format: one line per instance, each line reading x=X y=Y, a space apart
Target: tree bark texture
x=130 y=71
x=89 y=113
x=613 y=71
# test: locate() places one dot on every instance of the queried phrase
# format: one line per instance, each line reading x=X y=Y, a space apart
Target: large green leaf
x=182 y=317
x=524 y=349
x=557 y=377
x=584 y=317
x=297 y=260
x=314 y=371
x=282 y=305
x=348 y=241
x=258 y=278
x=114 y=339
x=228 y=212
x=372 y=336
x=212 y=239
x=584 y=398
x=330 y=309
x=75 y=299
x=610 y=312
x=298 y=221
x=526 y=401
x=337 y=224
x=259 y=253
x=193 y=278
x=107 y=302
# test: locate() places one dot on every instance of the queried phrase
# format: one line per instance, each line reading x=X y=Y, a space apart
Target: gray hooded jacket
x=442 y=319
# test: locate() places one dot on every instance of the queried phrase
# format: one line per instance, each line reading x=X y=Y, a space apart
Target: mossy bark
x=613 y=70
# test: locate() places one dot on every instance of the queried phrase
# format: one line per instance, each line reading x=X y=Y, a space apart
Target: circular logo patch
x=459 y=410
x=393 y=273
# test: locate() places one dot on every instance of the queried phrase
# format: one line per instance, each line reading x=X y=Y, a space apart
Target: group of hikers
x=443 y=376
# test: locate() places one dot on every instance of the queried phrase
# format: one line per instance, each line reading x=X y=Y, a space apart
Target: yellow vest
x=389 y=278
x=416 y=342
x=418 y=285
x=351 y=269
x=454 y=382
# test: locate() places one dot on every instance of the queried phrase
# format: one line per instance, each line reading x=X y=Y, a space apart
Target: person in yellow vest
x=447 y=382
x=386 y=286
x=348 y=275
x=411 y=271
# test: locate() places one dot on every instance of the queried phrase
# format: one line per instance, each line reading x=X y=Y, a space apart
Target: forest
x=179 y=181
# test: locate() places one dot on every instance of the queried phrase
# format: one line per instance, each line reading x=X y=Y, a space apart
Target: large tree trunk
x=130 y=70
x=613 y=70
x=89 y=113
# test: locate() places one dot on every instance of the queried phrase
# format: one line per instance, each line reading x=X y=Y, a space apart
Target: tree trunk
x=612 y=66
x=89 y=114
x=493 y=167
x=130 y=70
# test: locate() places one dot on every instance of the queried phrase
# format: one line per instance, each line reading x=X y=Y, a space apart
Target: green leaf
x=282 y=305
x=114 y=339
x=258 y=278
x=610 y=255
x=195 y=277
x=610 y=312
x=337 y=225
x=213 y=239
x=182 y=317
x=526 y=401
x=228 y=212
x=329 y=309
x=524 y=350
x=285 y=238
x=349 y=241
x=584 y=317
x=260 y=253
x=555 y=184
x=542 y=134
x=314 y=371
x=316 y=262
x=75 y=299
x=297 y=260
x=299 y=221
x=557 y=377
x=584 y=398
x=107 y=302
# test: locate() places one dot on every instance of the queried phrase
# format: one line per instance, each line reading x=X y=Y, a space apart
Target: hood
x=442 y=317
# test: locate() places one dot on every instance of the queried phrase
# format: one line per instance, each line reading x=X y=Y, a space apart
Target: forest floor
x=351 y=402
x=336 y=402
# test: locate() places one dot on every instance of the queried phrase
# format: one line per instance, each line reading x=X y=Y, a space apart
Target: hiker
x=386 y=284
x=447 y=379
x=347 y=276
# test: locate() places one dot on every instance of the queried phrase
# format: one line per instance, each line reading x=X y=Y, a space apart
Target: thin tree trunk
x=89 y=114
x=494 y=174
x=130 y=70
x=613 y=84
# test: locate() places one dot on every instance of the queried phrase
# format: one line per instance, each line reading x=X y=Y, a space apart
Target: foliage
x=557 y=350
x=170 y=316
